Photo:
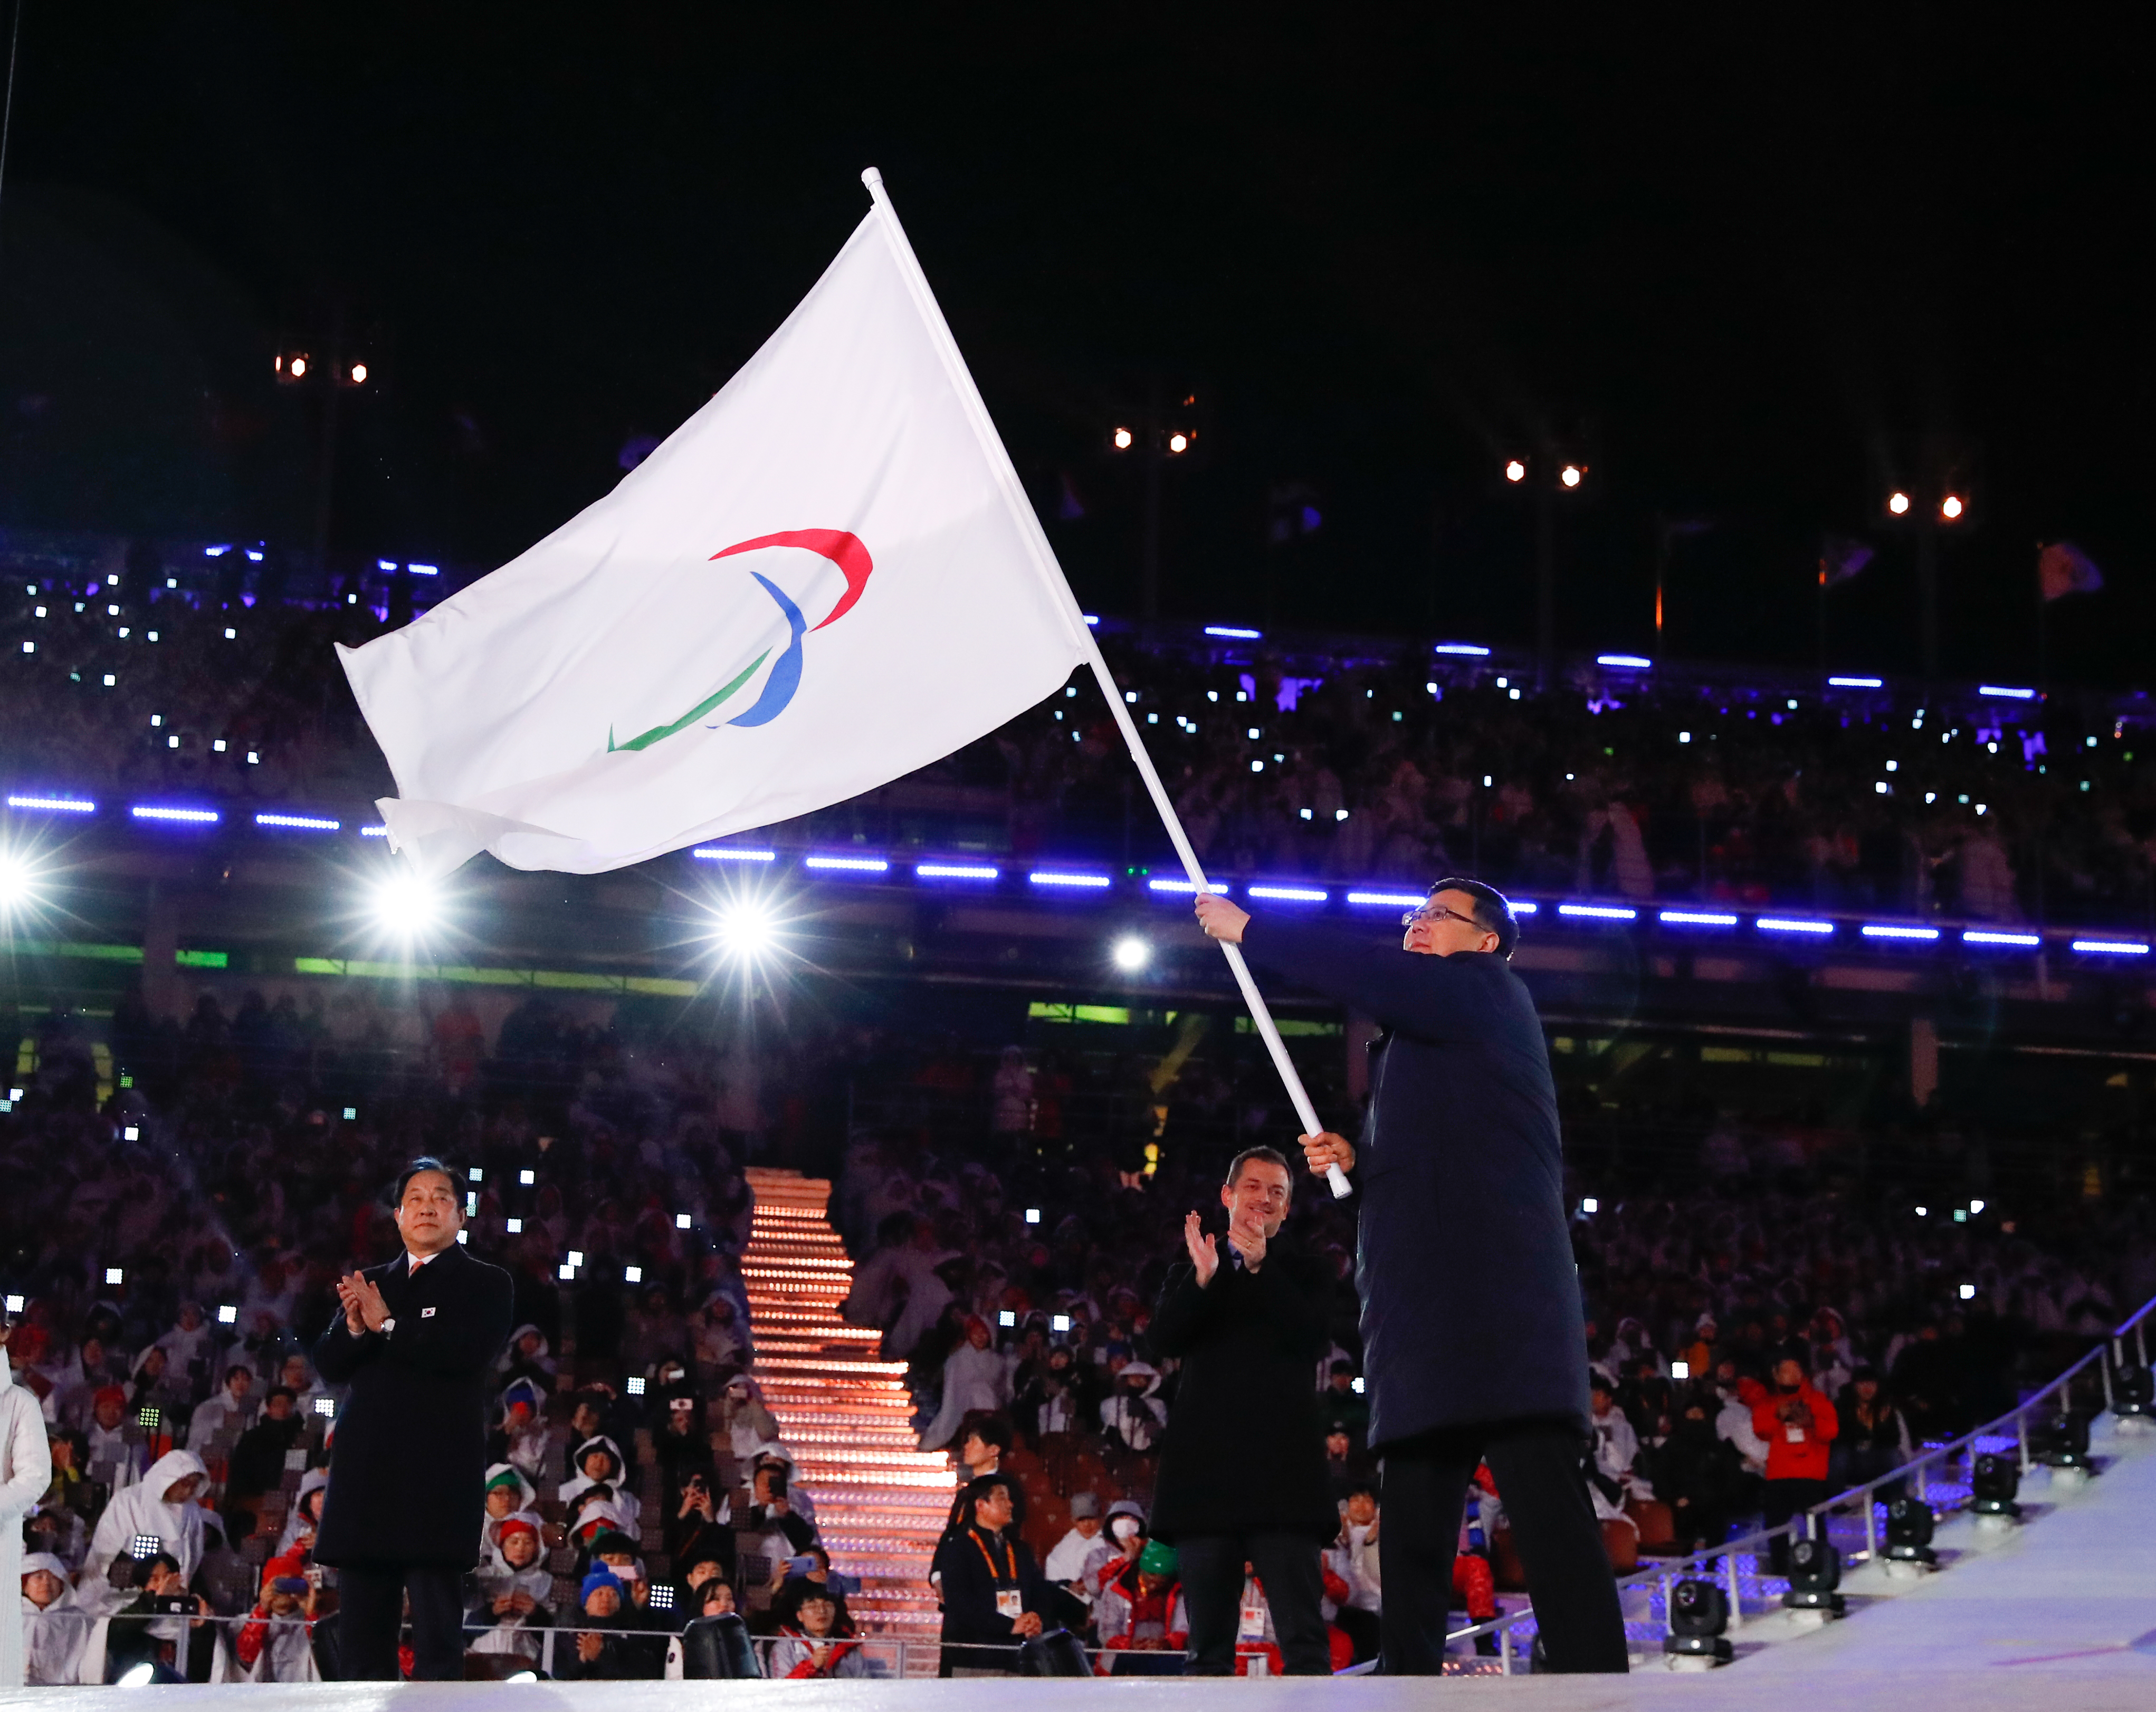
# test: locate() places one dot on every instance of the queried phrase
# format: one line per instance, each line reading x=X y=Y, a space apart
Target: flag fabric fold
x=814 y=586
x=2063 y=568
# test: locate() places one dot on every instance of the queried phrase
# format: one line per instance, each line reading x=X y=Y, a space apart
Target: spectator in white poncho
x=162 y=1503
x=977 y=1379
x=26 y=1469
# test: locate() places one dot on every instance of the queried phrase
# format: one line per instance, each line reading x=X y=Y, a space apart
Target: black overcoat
x=408 y=1469
x=1471 y=1298
x=1244 y=1451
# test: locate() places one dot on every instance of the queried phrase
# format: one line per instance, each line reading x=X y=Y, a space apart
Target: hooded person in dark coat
x=1242 y=1466
x=1474 y=1338
x=416 y=1342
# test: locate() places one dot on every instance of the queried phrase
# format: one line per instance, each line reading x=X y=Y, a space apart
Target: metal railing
x=540 y=1647
x=1723 y=1560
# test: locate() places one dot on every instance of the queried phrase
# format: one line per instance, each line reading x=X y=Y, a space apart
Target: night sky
x=1751 y=275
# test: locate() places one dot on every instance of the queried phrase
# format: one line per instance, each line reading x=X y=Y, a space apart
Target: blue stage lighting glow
x=1895 y=930
x=52 y=805
x=374 y=831
x=195 y=816
x=419 y=569
x=1391 y=900
x=1697 y=918
x=217 y=552
x=2111 y=948
x=1087 y=882
x=1089 y=617
x=1473 y=650
x=299 y=823
x=1187 y=889
x=385 y=564
x=847 y=864
x=1858 y=683
x=2003 y=689
x=955 y=870
x=1986 y=936
x=1630 y=662
x=1788 y=924
x=1599 y=912
x=1288 y=895
x=1229 y=630
x=731 y=853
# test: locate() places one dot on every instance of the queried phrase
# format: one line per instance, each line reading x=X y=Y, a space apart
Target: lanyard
x=1010 y=1558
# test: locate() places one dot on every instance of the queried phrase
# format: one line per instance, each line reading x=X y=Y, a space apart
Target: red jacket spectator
x=1795 y=1451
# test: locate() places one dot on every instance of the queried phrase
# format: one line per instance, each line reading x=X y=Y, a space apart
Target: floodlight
x=1699 y=1613
x=514 y=1226
x=114 y=1275
x=1897 y=502
x=681 y=1221
x=359 y=374
x=1124 y=439
x=228 y=1315
x=147 y=1417
x=1680 y=1369
x=405 y=904
x=325 y=1407
x=635 y=1380
x=1033 y=1215
x=1131 y=954
x=527 y=1178
x=746 y=931
x=1179 y=443
x=1571 y=474
x=1993 y=1482
x=1909 y=1523
x=1814 y=1573
x=137 y=1676
x=1590 y=1204
x=1515 y=470
x=632 y=1274
x=1951 y=508
x=299 y=367
x=1058 y=1322
x=15 y=886
x=1006 y=1317
x=144 y=1546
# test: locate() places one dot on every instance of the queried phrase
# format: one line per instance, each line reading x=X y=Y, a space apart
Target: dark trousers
x=1211 y=1568
x=1537 y=1467
x=1779 y=1500
x=371 y=1612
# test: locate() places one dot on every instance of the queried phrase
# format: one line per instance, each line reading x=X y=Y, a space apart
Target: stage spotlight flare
x=1899 y=502
x=1131 y=954
x=1516 y=471
x=1123 y=438
x=406 y=904
x=746 y=931
x=1179 y=443
x=1951 y=508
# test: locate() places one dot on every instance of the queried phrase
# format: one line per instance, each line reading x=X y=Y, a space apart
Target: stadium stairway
x=880 y=1502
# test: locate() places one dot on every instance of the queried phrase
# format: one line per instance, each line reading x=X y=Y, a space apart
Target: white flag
x=826 y=579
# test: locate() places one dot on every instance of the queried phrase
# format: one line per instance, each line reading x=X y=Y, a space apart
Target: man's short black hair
x=1343 y=1365
x=284 y=1392
x=980 y=1486
x=1493 y=914
x=1365 y=1484
x=1271 y=1155
x=428 y=1162
x=989 y=1429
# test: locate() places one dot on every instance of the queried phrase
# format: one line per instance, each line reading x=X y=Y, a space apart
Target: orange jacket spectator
x=1795 y=1451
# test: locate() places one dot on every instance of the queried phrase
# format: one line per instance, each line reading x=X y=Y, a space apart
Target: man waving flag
x=826 y=579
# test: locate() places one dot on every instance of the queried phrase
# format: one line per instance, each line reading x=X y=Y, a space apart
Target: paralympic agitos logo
x=783 y=682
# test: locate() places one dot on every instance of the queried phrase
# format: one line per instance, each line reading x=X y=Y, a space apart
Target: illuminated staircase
x=880 y=1503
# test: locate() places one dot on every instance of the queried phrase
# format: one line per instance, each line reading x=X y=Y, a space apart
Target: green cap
x=507 y=1477
x=1158 y=1559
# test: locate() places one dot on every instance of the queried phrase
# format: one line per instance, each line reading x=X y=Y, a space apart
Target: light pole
x=1938 y=506
x=1155 y=440
x=298 y=367
x=1564 y=476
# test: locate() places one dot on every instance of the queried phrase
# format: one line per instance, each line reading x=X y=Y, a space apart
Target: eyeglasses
x=1437 y=912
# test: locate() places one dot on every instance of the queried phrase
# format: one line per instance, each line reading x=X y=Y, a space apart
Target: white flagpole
x=1052 y=573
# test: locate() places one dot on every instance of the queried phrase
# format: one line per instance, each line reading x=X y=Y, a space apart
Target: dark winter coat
x=1244 y=1451
x=408 y=1468
x=1470 y=1299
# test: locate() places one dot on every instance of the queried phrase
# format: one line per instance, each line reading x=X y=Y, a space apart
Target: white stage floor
x=2059 y=1616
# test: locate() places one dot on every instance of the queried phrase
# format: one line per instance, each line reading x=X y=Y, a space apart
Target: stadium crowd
x=1370 y=765
x=175 y=1243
